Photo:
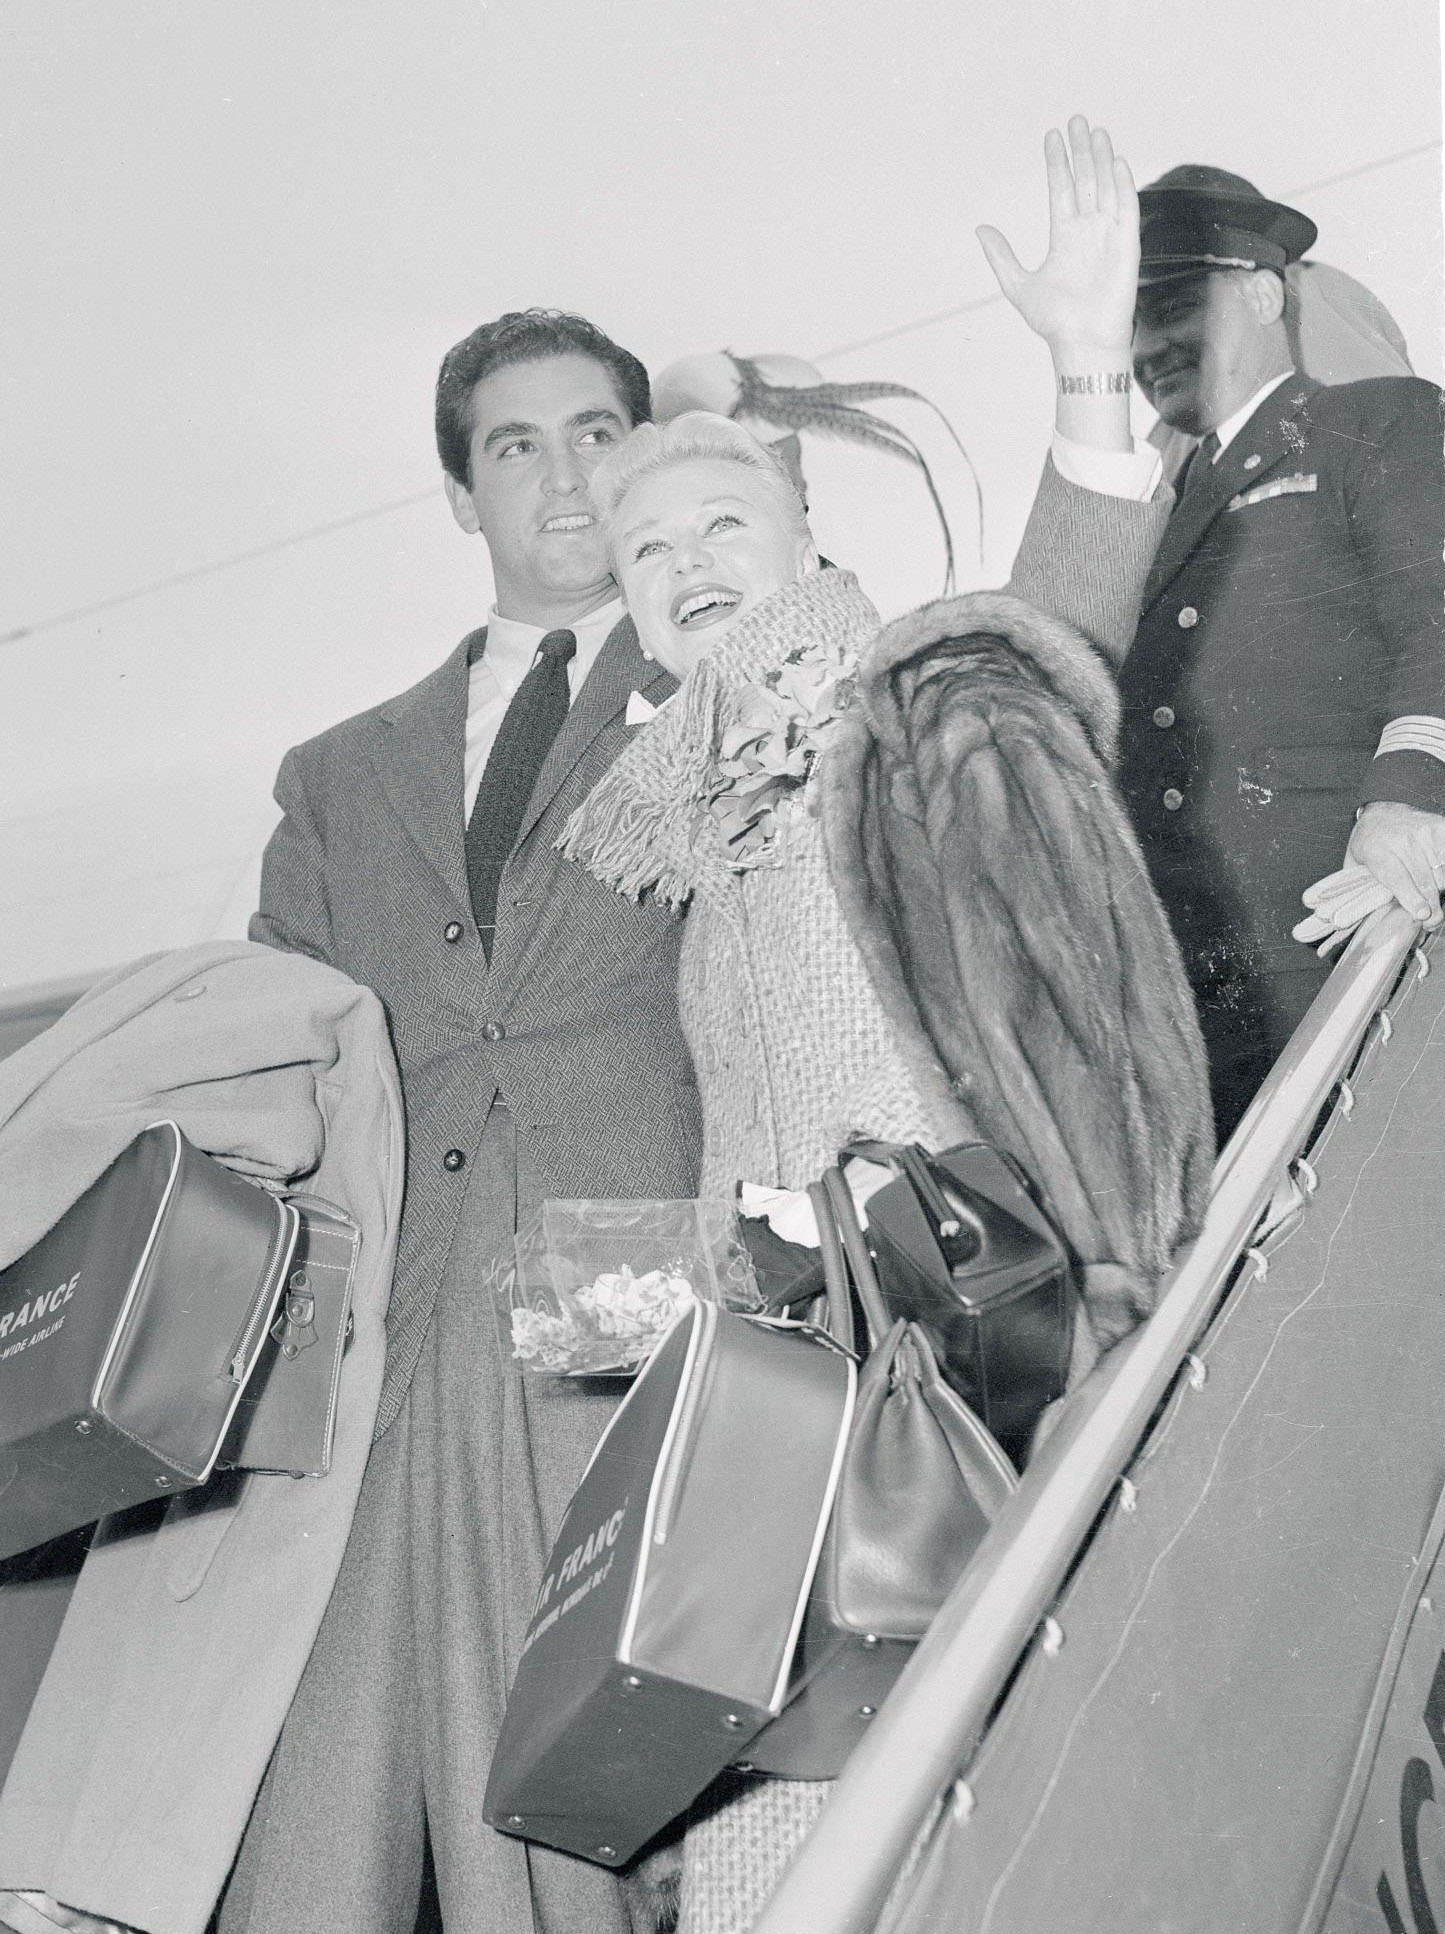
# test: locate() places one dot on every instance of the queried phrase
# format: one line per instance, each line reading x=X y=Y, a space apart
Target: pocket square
x=639 y=711
x=1301 y=483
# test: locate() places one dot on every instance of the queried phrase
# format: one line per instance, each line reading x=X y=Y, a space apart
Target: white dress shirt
x=506 y=659
x=1133 y=473
x=1230 y=428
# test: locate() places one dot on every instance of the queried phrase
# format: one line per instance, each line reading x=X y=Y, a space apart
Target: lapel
x=420 y=763
x=1272 y=435
x=620 y=669
x=420 y=758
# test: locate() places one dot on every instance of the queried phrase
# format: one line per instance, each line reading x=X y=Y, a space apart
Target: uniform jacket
x=181 y=1650
x=574 y=1023
x=1297 y=605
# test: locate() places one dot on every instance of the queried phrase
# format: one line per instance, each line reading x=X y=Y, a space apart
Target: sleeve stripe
x=1417 y=732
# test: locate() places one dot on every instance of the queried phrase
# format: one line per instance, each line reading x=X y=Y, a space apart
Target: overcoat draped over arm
x=182 y=1647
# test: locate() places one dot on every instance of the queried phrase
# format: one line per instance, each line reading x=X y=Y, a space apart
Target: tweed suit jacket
x=574 y=1022
x=1296 y=607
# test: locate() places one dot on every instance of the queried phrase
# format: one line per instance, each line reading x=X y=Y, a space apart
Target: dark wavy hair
x=524 y=336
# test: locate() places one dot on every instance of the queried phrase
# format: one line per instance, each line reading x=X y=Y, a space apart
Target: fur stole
x=643 y=828
x=991 y=879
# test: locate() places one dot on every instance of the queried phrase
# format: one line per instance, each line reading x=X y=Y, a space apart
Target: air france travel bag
x=128 y=1335
x=666 y=1622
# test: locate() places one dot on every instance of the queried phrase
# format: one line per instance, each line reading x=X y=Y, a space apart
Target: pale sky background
x=238 y=235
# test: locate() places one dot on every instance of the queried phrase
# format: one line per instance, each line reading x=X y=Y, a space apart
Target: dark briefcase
x=965 y=1250
x=666 y=1624
x=128 y=1335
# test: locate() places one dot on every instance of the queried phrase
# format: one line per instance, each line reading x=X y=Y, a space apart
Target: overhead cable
x=194 y=571
x=269 y=549
x=997 y=295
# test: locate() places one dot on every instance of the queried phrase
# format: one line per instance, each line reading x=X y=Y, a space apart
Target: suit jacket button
x=1173 y=799
x=454 y=1159
x=452 y=932
x=493 y=1031
x=1188 y=618
x=1163 y=716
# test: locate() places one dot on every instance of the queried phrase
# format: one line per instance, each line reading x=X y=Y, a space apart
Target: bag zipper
x=263 y=1305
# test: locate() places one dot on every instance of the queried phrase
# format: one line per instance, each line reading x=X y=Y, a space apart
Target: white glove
x=1339 y=902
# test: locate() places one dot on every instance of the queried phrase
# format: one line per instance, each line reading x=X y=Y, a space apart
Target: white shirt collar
x=504 y=662
x=512 y=644
x=1230 y=428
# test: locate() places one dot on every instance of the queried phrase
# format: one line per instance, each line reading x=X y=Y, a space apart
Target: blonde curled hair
x=697 y=436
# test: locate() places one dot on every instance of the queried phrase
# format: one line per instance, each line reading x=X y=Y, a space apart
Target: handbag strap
x=835 y=1269
x=876 y=1320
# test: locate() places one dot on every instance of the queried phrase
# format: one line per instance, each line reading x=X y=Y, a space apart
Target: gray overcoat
x=181 y=1648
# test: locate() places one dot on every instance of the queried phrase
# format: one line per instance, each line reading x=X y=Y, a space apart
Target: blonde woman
x=914 y=907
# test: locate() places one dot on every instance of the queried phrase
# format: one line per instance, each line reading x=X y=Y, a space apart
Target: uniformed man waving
x=1289 y=669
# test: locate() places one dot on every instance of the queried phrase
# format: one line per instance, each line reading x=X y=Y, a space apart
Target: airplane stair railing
x=923 y=1738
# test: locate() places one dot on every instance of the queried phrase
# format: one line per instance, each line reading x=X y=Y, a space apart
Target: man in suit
x=534 y=1018
x=1289 y=668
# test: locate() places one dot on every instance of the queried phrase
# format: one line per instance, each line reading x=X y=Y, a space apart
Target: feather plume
x=831 y=409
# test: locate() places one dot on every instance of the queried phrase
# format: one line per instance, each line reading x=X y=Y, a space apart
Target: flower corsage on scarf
x=711 y=780
x=768 y=752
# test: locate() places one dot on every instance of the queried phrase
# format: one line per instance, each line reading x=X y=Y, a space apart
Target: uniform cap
x=1197 y=217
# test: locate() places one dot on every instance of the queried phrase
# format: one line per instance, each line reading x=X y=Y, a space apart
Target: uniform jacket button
x=454 y=1159
x=493 y=1031
x=1173 y=799
x=1163 y=716
x=1188 y=618
x=452 y=932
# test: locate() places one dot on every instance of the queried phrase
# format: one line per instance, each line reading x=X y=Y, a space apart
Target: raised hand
x=1081 y=297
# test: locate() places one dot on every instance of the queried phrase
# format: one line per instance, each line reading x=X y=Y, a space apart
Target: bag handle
x=835 y=1269
x=952 y=1218
x=876 y=1320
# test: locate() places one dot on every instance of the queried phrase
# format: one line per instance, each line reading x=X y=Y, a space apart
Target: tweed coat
x=758 y=1008
x=1083 y=559
x=1296 y=606
x=574 y=1022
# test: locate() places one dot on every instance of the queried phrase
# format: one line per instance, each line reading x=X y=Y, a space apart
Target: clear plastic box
x=592 y=1287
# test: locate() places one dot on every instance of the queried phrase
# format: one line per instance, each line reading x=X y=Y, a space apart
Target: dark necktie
x=1200 y=467
x=529 y=725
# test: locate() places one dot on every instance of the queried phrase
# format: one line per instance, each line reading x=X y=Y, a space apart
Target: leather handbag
x=665 y=1628
x=131 y=1332
x=922 y=1479
x=964 y=1248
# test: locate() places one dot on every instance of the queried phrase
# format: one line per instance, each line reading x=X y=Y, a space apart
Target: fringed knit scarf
x=645 y=827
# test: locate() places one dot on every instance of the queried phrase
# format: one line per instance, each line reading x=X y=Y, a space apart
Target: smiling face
x=1203 y=344
x=699 y=543
x=539 y=429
